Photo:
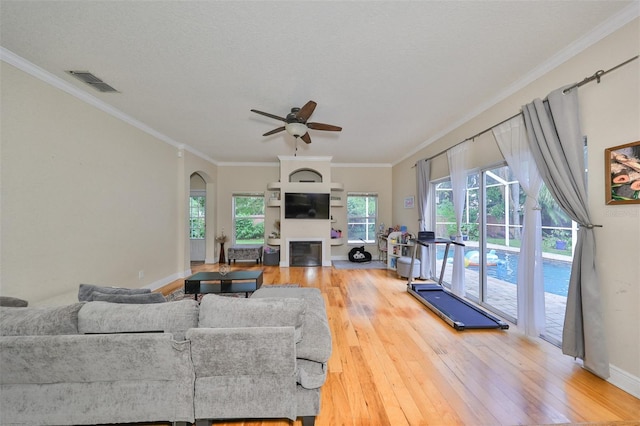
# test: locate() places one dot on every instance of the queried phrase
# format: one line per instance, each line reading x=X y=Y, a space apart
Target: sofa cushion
x=171 y=317
x=225 y=312
x=41 y=320
x=142 y=298
x=85 y=291
x=316 y=341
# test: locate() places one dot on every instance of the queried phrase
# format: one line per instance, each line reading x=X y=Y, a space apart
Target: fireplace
x=305 y=253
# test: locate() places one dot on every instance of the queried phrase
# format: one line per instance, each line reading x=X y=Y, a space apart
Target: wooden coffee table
x=215 y=282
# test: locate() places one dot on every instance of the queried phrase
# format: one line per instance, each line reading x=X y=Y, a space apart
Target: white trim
x=625 y=381
x=336 y=165
x=306 y=158
x=168 y=280
x=55 y=81
x=248 y=164
x=611 y=25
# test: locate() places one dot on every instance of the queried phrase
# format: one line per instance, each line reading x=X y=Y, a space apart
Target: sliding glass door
x=492 y=232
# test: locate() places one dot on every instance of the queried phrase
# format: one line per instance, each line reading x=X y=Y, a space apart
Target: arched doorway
x=197 y=218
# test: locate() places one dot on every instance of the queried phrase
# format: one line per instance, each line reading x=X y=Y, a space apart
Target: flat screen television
x=305 y=205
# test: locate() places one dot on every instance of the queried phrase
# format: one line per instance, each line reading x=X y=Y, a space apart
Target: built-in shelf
x=304 y=175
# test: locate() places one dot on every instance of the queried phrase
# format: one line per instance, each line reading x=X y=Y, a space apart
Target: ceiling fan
x=296 y=122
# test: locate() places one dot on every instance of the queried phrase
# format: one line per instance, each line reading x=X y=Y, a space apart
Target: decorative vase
x=221 y=259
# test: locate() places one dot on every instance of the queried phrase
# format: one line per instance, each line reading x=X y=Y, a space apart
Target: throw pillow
x=98 y=296
x=227 y=312
x=13 y=302
x=86 y=290
x=41 y=320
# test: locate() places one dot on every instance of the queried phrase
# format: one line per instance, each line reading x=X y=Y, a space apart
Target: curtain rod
x=597 y=76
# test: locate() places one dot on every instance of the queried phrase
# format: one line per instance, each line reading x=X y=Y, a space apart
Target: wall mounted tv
x=305 y=205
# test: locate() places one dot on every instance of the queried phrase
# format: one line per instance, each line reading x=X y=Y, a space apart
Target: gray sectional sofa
x=225 y=358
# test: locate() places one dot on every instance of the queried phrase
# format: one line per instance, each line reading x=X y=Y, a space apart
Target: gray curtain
x=423 y=175
x=556 y=142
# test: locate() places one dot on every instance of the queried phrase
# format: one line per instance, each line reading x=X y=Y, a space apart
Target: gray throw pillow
x=13 y=301
x=86 y=290
x=227 y=312
x=139 y=299
x=38 y=321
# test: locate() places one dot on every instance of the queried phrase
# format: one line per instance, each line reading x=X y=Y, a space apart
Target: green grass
x=253 y=242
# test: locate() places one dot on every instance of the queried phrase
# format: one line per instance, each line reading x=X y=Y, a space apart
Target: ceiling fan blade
x=268 y=115
x=306 y=111
x=322 y=126
x=279 y=129
x=306 y=138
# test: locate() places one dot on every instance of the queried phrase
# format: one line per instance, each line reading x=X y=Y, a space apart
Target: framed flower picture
x=409 y=202
x=622 y=174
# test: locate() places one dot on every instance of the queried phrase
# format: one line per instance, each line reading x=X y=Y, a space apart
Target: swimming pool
x=555 y=272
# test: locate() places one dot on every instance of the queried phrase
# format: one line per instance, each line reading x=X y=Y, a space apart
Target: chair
x=382 y=248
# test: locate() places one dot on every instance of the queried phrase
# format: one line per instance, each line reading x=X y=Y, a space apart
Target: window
x=196 y=216
x=362 y=213
x=248 y=218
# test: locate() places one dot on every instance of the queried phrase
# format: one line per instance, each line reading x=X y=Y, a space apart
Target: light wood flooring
x=396 y=363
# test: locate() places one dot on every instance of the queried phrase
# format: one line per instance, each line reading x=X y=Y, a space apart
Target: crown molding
x=28 y=67
x=617 y=21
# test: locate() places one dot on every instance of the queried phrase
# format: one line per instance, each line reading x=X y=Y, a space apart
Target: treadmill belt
x=454 y=310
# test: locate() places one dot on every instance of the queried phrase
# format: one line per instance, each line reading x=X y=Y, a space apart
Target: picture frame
x=622 y=174
x=409 y=202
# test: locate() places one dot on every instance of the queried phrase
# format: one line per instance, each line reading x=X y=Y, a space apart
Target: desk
x=426 y=243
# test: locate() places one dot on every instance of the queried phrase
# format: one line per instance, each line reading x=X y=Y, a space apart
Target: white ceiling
x=393 y=74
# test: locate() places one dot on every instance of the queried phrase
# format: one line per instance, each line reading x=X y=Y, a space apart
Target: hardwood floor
x=396 y=363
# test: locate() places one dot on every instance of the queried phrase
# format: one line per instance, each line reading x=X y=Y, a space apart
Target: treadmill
x=454 y=310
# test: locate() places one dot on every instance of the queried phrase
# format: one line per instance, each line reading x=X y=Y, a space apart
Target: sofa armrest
x=243 y=351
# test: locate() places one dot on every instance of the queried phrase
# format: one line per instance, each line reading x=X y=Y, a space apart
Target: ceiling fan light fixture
x=296 y=129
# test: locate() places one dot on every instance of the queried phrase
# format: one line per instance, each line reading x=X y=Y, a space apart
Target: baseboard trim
x=624 y=380
x=168 y=280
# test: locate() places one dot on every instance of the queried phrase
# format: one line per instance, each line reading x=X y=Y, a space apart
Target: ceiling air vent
x=92 y=80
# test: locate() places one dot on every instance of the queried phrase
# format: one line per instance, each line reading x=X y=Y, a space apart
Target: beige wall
x=244 y=179
x=362 y=179
x=254 y=178
x=610 y=116
x=84 y=196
